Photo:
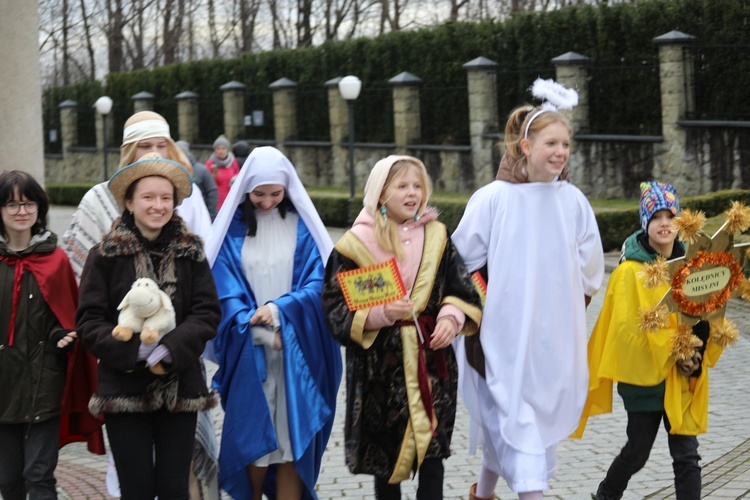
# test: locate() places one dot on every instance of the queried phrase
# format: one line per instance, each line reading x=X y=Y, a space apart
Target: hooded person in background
x=202 y=178
x=223 y=166
x=241 y=150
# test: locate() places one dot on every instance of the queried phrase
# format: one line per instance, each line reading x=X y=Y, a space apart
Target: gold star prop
x=701 y=282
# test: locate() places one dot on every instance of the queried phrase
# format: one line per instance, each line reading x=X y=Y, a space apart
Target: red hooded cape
x=58 y=285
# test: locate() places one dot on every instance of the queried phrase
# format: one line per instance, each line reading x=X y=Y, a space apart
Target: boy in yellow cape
x=654 y=387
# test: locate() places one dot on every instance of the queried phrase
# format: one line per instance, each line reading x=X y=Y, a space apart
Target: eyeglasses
x=14 y=207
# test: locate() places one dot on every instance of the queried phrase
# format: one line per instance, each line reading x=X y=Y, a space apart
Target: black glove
x=58 y=335
x=702 y=330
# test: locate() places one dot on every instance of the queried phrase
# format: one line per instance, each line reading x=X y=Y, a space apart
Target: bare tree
x=49 y=46
x=304 y=28
x=147 y=33
x=336 y=12
x=135 y=47
x=65 y=43
x=391 y=12
x=190 y=34
x=248 y=14
x=273 y=6
x=456 y=5
x=212 y=30
x=115 y=37
x=173 y=14
x=364 y=12
x=88 y=40
x=220 y=26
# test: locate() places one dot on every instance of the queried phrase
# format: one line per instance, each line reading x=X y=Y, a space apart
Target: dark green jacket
x=33 y=369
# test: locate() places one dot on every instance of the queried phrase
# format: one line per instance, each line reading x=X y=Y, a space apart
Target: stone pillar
x=407 y=124
x=21 y=130
x=677 y=99
x=339 y=129
x=188 y=126
x=572 y=71
x=234 y=110
x=68 y=124
x=143 y=101
x=284 y=110
x=482 y=81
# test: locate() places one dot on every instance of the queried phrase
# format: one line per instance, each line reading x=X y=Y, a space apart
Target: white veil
x=268 y=165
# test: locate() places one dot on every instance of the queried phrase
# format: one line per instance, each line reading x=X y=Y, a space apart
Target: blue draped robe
x=312 y=367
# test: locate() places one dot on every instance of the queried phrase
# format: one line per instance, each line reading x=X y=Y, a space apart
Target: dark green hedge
x=67 y=194
x=624 y=75
x=614 y=225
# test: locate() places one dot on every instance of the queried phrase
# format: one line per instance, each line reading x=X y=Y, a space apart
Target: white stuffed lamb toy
x=145 y=309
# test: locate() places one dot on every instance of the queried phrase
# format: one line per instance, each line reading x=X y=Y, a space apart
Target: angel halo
x=554 y=96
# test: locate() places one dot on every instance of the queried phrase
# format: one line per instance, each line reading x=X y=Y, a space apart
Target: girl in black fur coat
x=150 y=394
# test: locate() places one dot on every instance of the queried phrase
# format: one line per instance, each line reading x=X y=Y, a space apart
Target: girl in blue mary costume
x=279 y=367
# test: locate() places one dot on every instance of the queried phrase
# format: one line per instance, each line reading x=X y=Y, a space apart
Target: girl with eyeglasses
x=38 y=298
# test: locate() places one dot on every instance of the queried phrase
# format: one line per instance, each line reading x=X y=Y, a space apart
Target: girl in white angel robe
x=543 y=252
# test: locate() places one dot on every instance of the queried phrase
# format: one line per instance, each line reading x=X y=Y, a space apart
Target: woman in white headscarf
x=268 y=250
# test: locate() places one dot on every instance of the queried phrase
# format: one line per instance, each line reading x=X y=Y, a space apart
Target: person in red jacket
x=223 y=166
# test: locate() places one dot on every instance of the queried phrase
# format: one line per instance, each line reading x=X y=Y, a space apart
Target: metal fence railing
x=624 y=99
x=313 y=122
x=720 y=79
x=513 y=89
x=445 y=115
x=373 y=111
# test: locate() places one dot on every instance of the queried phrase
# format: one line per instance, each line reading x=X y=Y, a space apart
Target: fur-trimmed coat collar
x=125 y=239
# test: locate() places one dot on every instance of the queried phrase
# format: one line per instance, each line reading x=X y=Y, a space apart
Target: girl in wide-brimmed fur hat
x=150 y=394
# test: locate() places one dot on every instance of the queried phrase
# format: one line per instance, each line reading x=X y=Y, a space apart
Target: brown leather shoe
x=473 y=496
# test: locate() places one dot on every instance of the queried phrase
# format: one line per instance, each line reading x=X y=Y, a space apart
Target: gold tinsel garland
x=719 y=259
x=684 y=343
x=689 y=225
x=738 y=218
x=654 y=319
x=655 y=273
x=724 y=333
x=745 y=290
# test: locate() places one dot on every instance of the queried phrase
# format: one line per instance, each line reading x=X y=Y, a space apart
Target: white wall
x=21 y=132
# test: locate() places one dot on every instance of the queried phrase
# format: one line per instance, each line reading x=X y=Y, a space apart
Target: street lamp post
x=103 y=106
x=349 y=87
